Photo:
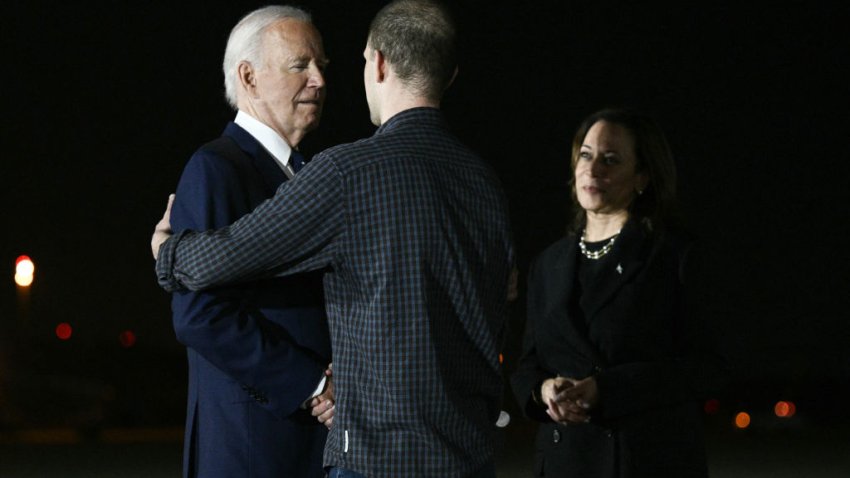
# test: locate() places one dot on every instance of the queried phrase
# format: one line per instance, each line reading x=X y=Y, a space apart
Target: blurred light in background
x=64 y=331
x=24 y=269
x=742 y=420
x=23 y=281
x=711 y=406
x=127 y=339
x=785 y=409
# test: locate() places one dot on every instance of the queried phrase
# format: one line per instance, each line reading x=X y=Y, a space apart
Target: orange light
x=64 y=331
x=127 y=339
x=784 y=409
x=501 y=358
x=742 y=420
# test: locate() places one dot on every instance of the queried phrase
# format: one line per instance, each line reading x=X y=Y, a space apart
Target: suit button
x=556 y=436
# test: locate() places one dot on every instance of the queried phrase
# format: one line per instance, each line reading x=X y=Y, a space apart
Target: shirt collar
x=418 y=114
x=271 y=141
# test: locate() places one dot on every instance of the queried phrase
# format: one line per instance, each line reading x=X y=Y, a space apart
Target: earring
x=639 y=191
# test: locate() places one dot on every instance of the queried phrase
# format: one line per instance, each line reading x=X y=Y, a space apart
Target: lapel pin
x=619 y=268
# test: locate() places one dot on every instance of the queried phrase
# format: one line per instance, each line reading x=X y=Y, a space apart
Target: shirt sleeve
x=294 y=231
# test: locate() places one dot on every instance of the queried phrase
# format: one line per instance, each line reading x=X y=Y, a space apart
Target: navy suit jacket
x=256 y=351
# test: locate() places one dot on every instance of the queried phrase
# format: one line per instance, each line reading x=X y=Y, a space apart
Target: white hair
x=246 y=41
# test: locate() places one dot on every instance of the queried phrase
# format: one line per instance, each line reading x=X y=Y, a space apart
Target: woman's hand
x=565 y=407
x=585 y=393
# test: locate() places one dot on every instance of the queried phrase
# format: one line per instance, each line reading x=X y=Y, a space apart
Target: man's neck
x=404 y=101
x=266 y=136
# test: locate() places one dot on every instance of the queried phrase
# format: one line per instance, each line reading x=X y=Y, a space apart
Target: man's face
x=290 y=88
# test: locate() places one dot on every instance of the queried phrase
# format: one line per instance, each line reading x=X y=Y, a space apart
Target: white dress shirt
x=268 y=138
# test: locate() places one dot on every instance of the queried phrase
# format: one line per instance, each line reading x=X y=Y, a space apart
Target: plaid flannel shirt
x=414 y=229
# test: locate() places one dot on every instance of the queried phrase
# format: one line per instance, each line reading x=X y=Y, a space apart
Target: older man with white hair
x=258 y=351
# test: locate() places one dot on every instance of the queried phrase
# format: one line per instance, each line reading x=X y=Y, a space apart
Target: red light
x=785 y=409
x=127 y=339
x=64 y=331
x=21 y=259
x=711 y=406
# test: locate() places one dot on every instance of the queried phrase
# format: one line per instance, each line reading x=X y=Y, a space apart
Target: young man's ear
x=381 y=65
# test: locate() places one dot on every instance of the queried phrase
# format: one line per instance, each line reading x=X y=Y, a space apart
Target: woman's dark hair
x=656 y=207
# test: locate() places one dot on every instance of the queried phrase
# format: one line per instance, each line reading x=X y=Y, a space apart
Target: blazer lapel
x=628 y=249
x=265 y=164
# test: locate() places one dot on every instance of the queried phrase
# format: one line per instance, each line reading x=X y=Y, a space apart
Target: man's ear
x=382 y=66
x=245 y=72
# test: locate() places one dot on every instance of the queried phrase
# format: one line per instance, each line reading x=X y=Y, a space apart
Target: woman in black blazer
x=614 y=364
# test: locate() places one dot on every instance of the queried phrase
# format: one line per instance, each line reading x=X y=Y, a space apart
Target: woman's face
x=606 y=175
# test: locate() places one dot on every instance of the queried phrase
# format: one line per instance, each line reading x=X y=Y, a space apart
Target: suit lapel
x=628 y=251
x=264 y=163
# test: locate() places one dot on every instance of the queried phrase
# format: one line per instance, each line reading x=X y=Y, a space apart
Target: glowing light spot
x=501 y=358
x=742 y=420
x=24 y=266
x=64 y=331
x=785 y=409
x=24 y=269
x=711 y=406
x=23 y=281
x=127 y=339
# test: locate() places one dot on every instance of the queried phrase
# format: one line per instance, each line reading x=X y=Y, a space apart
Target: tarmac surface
x=795 y=451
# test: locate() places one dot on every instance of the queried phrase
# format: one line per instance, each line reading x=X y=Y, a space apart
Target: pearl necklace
x=597 y=254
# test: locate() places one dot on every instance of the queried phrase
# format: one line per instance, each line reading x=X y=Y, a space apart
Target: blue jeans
x=489 y=471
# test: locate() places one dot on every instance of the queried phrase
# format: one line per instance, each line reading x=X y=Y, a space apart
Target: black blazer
x=649 y=355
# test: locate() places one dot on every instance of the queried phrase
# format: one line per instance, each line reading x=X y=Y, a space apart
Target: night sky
x=104 y=104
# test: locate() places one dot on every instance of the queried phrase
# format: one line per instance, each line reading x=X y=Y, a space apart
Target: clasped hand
x=568 y=400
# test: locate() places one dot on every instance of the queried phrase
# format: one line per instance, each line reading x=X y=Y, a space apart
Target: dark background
x=102 y=105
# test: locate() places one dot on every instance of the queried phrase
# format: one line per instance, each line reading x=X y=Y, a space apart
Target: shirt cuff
x=316 y=392
x=165 y=264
